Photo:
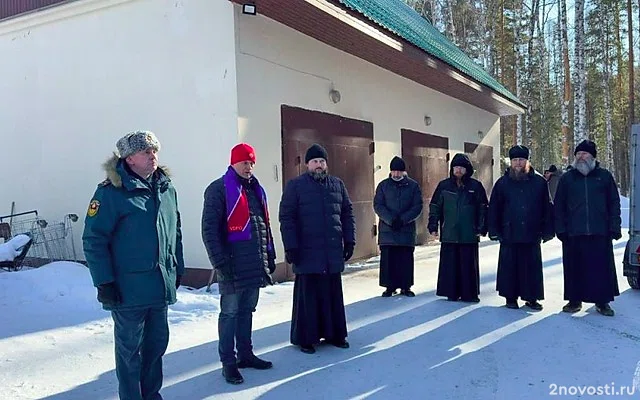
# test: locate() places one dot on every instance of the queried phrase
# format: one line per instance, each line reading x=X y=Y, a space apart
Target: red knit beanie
x=242 y=152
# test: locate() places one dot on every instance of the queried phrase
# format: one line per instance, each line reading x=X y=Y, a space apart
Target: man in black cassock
x=520 y=216
x=587 y=218
x=398 y=204
x=319 y=234
x=459 y=208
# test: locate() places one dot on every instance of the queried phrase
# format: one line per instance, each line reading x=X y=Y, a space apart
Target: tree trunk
x=580 y=78
x=451 y=29
x=604 y=42
x=516 y=48
x=564 y=105
x=631 y=71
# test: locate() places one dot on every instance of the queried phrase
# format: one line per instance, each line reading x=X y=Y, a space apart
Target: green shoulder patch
x=105 y=182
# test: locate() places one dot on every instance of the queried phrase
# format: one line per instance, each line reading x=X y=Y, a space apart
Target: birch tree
x=579 y=77
x=566 y=72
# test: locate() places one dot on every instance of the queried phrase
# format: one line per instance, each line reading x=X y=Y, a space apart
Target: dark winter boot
x=388 y=293
x=408 y=293
x=534 y=305
x=451 y=298
x=572 y=307
x=472 y=300
x=605 y=309
x=254 y=362
x=231 y=374
x=307 y=349
x=513 y=304
x=341 y=343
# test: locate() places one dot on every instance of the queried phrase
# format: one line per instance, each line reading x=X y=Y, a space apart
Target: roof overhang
x=346 y=30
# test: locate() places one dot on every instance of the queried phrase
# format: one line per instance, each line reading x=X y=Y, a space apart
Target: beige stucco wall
x=77 y=77
x=277 y=65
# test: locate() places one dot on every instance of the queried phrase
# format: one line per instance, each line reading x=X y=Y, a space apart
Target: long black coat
x=520 y=211
x=459 y=211
x=316 y=220
x=243 y=264
x=587 y=205
x=398 y=198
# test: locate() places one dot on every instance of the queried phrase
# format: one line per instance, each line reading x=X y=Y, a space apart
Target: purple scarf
x=238 y=227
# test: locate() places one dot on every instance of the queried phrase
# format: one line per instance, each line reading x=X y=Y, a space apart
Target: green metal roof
x=404 y=21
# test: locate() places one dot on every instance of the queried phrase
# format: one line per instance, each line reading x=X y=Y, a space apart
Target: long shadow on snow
x=404 y=314
x=519 y=355
x=371 y=320
x=450 y=320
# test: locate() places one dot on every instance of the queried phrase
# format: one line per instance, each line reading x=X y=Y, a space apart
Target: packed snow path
x=56 y=342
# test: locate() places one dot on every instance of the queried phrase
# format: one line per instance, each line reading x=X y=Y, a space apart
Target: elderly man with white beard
x=587 y=218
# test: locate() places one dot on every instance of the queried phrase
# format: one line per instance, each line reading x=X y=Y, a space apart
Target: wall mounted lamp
x=427 y=120
x=334 y=95
x=249 y=9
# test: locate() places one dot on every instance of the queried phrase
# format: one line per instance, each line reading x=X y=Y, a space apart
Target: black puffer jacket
x=316 y=220
x=520 y=211
x=398 y=198
x=243 y=264
x=459 y=211
x=587 y=205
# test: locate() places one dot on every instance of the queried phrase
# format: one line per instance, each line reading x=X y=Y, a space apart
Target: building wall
x=77 y=77
x=277 y=65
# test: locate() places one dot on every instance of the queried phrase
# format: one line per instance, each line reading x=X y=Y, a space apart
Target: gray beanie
x=134 y=142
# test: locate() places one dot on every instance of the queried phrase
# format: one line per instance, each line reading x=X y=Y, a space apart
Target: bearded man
x=587 y=218
x=520 y=217
x=318 y=230
x=458 y=208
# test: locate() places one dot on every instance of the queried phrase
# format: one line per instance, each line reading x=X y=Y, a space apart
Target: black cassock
x=318 y=309
x=520 y=216
x=459 y=272
x=396 y=267
x=520 y=271
x=589 y=269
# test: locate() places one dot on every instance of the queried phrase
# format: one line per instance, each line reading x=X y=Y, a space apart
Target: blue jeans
x=141 y=339
x=234 y=324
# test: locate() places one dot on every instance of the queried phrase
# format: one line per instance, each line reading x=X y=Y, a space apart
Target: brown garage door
x=426 y=157
x=482 y=159
x=349 y=144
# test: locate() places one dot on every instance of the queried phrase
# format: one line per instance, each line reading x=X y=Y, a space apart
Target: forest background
x=570 y=61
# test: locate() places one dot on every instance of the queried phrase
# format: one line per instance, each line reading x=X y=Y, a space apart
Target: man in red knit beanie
x=237 y=235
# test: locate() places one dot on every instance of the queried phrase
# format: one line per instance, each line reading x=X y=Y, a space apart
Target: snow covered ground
x=56 y=342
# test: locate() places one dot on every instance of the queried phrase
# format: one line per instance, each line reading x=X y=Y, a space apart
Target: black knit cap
x=588 y=146
x=552 y=168
x=397 y=164
x=315 y=151
x=519 y=151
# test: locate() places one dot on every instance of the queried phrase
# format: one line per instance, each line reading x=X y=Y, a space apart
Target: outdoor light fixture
x=334 y=95
x=480 y=133
x=249 y=9
x=427 y=120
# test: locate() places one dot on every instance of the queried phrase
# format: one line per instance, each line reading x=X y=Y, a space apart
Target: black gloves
x=562 y=236
x=546 y=238
x=433 y=229
x=178 y=280
x=291 y=256
x=272 y=266
x=616 y=235
x=348 y=251
x=396 y=224
x=494 y=237
x=109 y=294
